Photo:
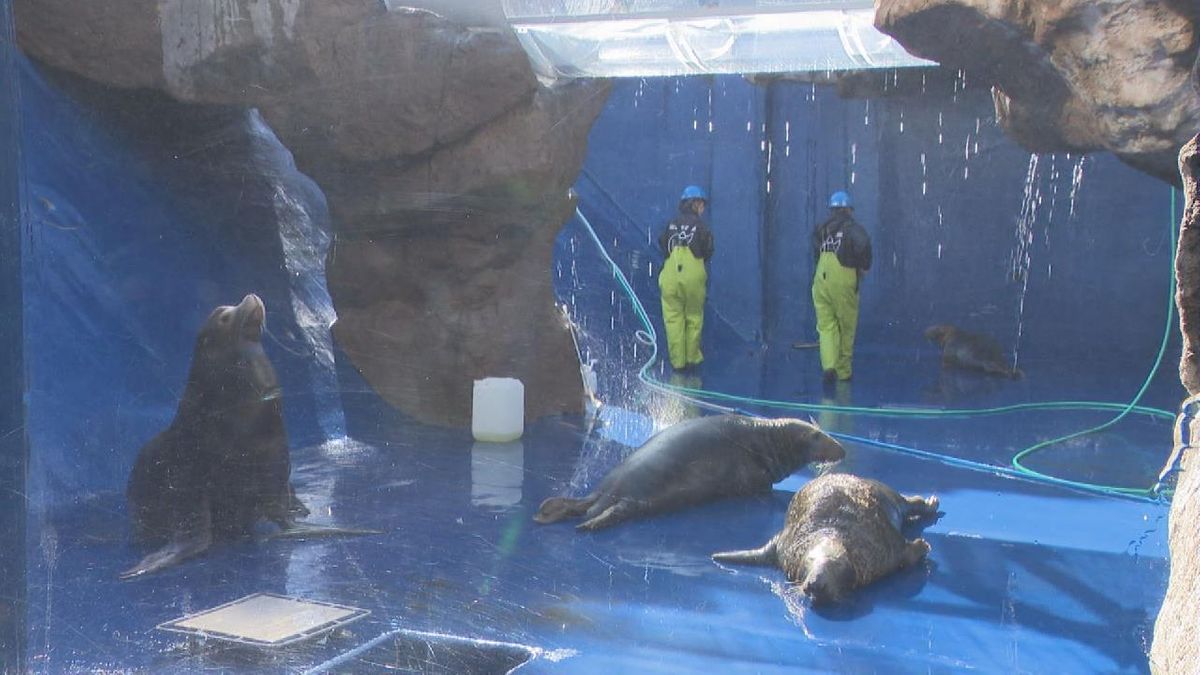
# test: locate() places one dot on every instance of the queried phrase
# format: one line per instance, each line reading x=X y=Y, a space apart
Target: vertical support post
x=14 y=448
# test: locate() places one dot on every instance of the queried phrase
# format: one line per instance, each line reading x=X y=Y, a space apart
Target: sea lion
x=698 y=460
x=222 y=465
x=970 y=351
x=842 y=532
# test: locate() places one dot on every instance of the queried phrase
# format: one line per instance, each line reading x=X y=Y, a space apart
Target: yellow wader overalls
x=683 y=282
x=835 y=297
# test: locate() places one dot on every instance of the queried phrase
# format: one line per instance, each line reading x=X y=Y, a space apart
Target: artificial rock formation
x=1187 y=267
x=447 y=260
x=445 y=166
x=1070 y=75
x=1176 y=646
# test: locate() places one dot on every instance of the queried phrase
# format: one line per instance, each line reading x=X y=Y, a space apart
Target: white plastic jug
x=498 y=410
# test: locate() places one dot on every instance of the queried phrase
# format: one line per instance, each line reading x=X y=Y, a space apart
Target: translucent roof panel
x=630 y=38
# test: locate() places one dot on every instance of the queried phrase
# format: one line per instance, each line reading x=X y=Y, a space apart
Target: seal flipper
x=766 y=555
x=295 y=507
x=173 y=553
x=914 y=552
x=919 y=508
x=555 y=509
x=295 y=530
x=616 y=512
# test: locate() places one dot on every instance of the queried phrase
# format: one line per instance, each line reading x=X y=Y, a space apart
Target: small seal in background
x=971 y=351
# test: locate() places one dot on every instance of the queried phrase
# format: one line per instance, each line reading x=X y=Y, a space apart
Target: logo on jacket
x=682 y=234
x=832 y=243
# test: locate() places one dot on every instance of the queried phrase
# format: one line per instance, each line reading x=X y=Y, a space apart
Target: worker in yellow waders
x=687 y=243
x=842 y=251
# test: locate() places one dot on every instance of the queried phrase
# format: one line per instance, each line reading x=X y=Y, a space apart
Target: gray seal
x=842 y=533
x=222 y=465
x=696 y=461
x=970 y=351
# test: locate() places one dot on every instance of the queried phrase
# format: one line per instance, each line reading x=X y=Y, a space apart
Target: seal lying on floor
x=842 y=532
x=696 y=461
x=970 y=351
x=222 y=464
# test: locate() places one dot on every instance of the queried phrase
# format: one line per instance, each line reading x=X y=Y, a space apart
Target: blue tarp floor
x=1023 y=577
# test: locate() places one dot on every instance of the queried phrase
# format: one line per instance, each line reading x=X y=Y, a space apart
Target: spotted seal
x=842 y=532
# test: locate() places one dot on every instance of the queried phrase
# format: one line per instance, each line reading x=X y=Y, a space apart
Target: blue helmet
x=693 y=192
x=840 y=199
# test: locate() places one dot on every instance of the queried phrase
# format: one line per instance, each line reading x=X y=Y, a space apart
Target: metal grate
x=266 y=620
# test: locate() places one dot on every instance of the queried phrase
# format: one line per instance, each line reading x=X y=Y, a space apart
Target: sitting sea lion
x=970 y=351
x=222 y=464
x=696 y=461
x=842 y=532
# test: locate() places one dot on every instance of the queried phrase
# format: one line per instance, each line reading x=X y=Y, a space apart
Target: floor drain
x=409 y=651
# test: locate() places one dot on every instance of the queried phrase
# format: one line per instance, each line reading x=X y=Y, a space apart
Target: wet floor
x=1022 y=576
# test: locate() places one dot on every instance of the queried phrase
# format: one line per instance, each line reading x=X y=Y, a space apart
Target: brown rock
x=1176 y=646
x=1187 y=267
x=1076 y=75
x=445 y=167
x=442 y=272
x=398 y=83
x=115 y=42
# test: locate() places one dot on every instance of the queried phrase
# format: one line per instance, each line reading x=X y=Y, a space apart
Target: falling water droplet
x=1076 y=181
x=1023 y=255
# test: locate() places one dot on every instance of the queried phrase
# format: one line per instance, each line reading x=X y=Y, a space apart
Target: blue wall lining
x=142 y=215
x=950 y=203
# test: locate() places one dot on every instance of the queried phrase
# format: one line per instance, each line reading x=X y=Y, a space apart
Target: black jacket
x=843 y=235
x=687 y=229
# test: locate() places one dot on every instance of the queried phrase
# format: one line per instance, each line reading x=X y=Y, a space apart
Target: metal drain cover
x=266 y=620
x=409 y=651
